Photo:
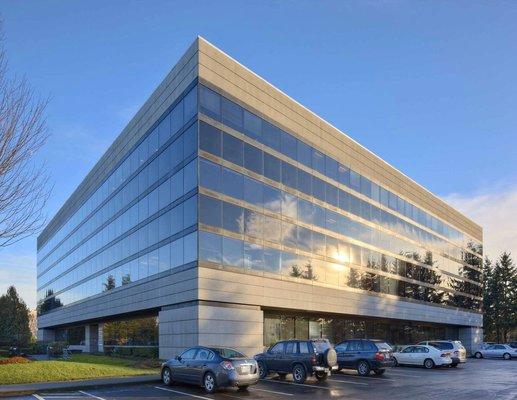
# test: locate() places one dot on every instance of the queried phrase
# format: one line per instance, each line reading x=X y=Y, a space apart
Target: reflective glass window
x=210 y=103
x=289 y=145
x=210 y=211
x=252 y=125
x=318 y=161
x=253 y=192
x=232 y=114
x=253 y=159
x=210 y=247
x=271 y=135
x=233 y=252
x=233 y=218
x=177 y=118
x=289 y=175
x=232 y=149
x=210 y=175
x=272 y=167
x=210 y=139
x=190 y=104
x=232 y=183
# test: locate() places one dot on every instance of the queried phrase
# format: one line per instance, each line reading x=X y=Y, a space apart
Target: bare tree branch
x=24 y=183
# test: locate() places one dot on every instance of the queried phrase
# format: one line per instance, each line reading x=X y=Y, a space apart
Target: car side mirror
x=178 y=358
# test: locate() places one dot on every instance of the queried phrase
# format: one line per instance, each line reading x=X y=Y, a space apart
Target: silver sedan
x=497 y=351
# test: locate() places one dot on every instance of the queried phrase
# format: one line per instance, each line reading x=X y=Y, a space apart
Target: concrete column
x=471 y=337
x=46 y=335
x=210 y=324
x=100 y=338
x=87 y=339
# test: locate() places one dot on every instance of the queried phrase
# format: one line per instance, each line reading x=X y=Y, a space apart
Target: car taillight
x=314 y=360
x=227 y=365
x=379 y=356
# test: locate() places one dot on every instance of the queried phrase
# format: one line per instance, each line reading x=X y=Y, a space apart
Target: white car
x=427 y=356
x=497 y=351
x=458 y=352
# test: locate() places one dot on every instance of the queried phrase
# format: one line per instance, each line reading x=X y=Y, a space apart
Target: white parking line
x=91 y=395
x=352 y=383
x=38 y=396
x=312 y=386
x=273 y=391
x=183 y=393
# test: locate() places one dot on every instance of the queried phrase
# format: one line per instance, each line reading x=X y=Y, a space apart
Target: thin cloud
x=496 y=212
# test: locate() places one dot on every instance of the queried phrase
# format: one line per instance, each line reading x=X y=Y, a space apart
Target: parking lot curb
x=30 y=388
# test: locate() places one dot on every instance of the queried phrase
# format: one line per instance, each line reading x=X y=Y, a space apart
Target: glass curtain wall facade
x=272 y=205
x=141 y=221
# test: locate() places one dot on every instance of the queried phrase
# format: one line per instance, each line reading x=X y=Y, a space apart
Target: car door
x=275 y=357
x=340 y=350
x=350 y=354
x=201 y=363
x=182 y=370
x=290 y=353
x=404 y=357
x=498 y=350
x=489 y=351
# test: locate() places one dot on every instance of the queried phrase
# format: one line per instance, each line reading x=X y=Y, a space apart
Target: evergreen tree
x=14 y=319
x=110 y=283
x=505 y=297
x=488 y=300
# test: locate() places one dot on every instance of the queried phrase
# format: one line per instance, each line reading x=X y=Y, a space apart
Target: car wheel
x=379 y=371
x=454 y=365
x=263 y=372
x=282 y=376
x=395 y=362
x=507 y=356
x=321 y=376
x=243 y=388
x=209 y=383
x=478 y=355
x=428 y=363
x=363 y=368
x=299 y=374
x=167 y=376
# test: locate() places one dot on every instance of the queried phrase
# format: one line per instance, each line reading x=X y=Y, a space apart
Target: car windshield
x=228 y=353
x=321 y=345
x=383 y=346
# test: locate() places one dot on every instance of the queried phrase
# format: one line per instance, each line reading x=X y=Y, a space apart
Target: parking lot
x=478 y=379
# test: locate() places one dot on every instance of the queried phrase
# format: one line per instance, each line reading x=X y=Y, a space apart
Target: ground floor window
x=74 y=335
x=278 y=326
x=132 y=337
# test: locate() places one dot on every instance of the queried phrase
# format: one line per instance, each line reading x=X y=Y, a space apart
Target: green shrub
x=56 y=348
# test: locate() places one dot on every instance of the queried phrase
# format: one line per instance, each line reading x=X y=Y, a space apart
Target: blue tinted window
x=331 y=168
x=305 y=211
x=253 y=256
x=318 y=188
x=304 y=154
x=253 y=159
x=210 y=247
x=190 y=247
x=210 y=211
x=233 y=252
x=233 y=218
x=289 y=175
x=355 y=181
x=304 y=182
x=210 y=139
x=190 y=176
x=190 y=104
x=232 y=114
x=232 y=183
x=331 y=195
x=177 y=118
x=343 y=175
x=190 y=212
x=272 y=260
x=210 y=175
x=272 y=199
x=232 y=149
x=252 y=125
x=190 y=141
x=253 y=192
x=271 y=135
x=210 y=103
x=289 y=145
x=366 y=186
x=318 y=161
x=272 y=167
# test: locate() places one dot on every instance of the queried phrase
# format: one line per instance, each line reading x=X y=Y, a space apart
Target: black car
x=302 y=358
x=364 y=355
x=211 y=367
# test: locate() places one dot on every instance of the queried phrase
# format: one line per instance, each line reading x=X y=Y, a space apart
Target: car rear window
x=321 y=345
x=442 y=345
x=229 y=353
x=383 y=346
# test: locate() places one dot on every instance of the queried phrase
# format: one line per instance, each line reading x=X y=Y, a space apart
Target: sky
x=428 y=86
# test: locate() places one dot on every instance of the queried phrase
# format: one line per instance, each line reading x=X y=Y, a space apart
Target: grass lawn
x=80 y=366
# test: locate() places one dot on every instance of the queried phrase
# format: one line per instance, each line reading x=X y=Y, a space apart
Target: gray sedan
x=211 y=367
x=497 y=351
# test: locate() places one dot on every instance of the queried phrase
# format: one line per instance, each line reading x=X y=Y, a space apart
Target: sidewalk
x=29 y=388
